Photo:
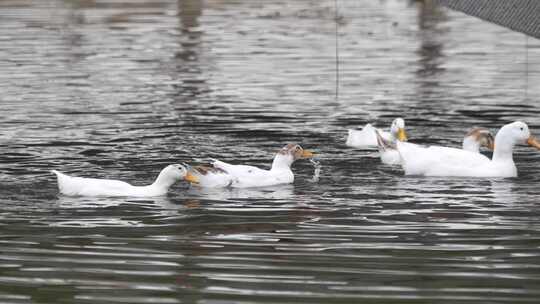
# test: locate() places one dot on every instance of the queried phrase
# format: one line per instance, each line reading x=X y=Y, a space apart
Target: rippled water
x=119 y=89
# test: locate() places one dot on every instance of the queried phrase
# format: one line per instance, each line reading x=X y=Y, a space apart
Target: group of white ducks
x=392 y=145
x=446 y=161
x=217 y=174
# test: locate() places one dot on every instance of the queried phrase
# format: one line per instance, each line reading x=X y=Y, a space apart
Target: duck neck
x=163 y=181
x=503 y=149
x=282 y=162
x=470 y=144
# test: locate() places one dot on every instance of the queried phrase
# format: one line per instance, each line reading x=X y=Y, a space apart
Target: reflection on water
x=119 y=89
x=282 y=192
x=430 y=50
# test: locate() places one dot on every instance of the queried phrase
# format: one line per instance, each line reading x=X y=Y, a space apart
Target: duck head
x=171 y=174
x=478 y=137
x=288 y=154
x=513 y=134
x=518 y=133
x=398 y=129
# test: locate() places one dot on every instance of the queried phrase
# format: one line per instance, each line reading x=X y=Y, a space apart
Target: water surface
x=119 y=89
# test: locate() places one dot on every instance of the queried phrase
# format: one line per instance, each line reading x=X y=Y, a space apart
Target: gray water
x=119 y=89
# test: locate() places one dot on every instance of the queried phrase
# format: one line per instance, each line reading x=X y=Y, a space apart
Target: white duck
x=81 y=186
x=475 y=138
x=221 y=174
x=366 y=138
x=443 y=161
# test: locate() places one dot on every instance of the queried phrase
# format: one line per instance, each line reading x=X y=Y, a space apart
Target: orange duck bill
x=191 y=178
x=533 y=142
x=307 y=154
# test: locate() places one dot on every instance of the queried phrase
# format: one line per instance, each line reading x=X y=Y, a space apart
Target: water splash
x=317 y=172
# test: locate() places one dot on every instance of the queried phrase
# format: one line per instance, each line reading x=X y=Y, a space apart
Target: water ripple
x=119 y=89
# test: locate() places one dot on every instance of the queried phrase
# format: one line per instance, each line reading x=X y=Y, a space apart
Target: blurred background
x=121 y=88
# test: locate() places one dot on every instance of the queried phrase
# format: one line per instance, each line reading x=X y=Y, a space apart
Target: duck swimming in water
x=444 y=161
x=475 y=138
x=82 y=186
x=367 y=137
x=222 y=174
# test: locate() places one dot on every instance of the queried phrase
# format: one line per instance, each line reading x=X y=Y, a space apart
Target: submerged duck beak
x=401 y=135
x=191 y=178
x=533 y=142
x=307 y=154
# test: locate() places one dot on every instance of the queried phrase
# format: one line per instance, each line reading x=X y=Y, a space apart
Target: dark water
x=119 y=89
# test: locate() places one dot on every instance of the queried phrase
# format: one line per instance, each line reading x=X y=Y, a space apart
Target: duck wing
x=249 y=176
x=440 y=161
x=365 y=138
x=237 y=170
x=210 y=176
x=71 y=185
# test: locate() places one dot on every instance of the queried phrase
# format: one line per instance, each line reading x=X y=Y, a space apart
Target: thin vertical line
x=337 y=47
x=526 y=67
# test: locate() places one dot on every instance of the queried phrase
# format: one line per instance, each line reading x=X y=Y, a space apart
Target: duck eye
x=521 y=128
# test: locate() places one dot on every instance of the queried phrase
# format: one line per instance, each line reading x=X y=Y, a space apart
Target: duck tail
x=61 y=180
x=384 y=144
x=58 y=174
x=348 y=140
